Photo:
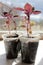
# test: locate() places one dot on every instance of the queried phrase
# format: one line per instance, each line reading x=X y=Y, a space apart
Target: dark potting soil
x=30 y=37
x=28 y=52
x=16 y=35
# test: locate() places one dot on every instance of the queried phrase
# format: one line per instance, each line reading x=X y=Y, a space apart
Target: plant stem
x=28 y=25
x=9 y=29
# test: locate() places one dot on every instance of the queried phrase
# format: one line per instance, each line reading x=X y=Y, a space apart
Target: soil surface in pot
x=13 y=36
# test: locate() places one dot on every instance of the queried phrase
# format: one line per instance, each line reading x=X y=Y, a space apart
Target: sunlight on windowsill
x=2 y=48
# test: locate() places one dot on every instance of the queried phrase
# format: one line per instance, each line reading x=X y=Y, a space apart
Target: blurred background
x=36 y=20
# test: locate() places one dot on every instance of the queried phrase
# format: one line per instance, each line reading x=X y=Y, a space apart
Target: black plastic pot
x=29 y=49
x=12 y=46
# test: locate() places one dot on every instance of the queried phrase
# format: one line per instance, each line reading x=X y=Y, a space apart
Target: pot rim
x=36 y=38
x=4 y=36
